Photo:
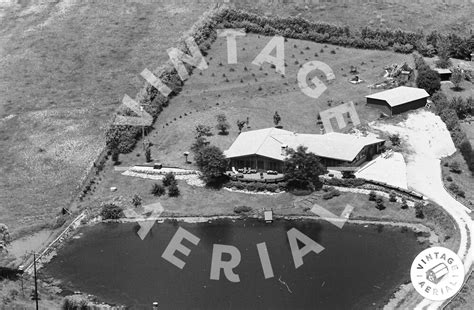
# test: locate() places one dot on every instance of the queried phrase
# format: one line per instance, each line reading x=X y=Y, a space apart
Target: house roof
x=400 y=95
x=268 y=142
x=442 y=71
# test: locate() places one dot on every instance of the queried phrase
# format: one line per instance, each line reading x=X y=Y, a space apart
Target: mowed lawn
x=64 y=70
x=246 y=90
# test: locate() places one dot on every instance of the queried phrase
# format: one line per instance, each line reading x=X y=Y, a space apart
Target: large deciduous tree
x=212 y=163
x=302 y=169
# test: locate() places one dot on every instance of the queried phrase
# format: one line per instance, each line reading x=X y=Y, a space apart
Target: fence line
x=66 y=230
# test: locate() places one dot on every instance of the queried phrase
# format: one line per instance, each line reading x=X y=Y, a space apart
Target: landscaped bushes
x=242 y=209
x=257 y=186
x=344 y=182
x=456 y=190
x=331 y=193
x=111 y=211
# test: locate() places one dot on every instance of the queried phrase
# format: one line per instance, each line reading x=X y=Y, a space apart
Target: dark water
x=359 y=268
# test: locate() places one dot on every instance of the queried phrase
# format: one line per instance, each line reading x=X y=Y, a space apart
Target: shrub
x=242 y=209
x=169 y=179
x=454 y=167
x=260 y=187
x=372 y=196
x=449 y=179
x=203 y=131
x=111 y=211
x=456 y=78
x=419 y=210
x=428 y=80
x=136 y=200
x=392 y=197
x=75 y=302
x=395 y=139
x=222 y=124
x=272 y=187
x=158 y=189
x=380 y=204
x=251 y=187
x=344 y=182
x=453 y=187
x=331 y=193
x=404 y=204
x=173 y=190
x=148 y=154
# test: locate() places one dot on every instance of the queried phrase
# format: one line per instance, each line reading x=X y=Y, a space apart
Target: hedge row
x=124 y=138
x=366 y=184
x=369 y=38
x=256 y=186
x=163 y=172
x=343 y=182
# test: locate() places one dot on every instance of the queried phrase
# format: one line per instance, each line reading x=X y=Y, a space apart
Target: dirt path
x=428 y=141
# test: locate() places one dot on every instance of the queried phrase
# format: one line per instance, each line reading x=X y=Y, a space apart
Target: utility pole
x=35 y=293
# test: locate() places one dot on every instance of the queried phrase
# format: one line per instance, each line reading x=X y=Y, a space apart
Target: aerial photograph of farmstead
x=236 y=154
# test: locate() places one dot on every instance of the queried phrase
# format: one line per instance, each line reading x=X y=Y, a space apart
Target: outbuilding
x=444 y=74
x=398 y=100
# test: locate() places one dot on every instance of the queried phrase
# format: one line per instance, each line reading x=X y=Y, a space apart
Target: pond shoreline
x=432 y=237
x=426 y=234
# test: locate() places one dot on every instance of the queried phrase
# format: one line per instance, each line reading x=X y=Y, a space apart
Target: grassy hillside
x=427 y=15
x=65 y=68
x=245 y=90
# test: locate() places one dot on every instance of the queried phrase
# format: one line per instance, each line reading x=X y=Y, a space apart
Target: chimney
x=284 y=148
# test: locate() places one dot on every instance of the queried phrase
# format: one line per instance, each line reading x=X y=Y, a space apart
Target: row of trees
x=450 y=112
x=366 y=37
x=122 y=139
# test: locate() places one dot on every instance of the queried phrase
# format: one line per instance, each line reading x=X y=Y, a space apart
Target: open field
x=64 y=71
x=407 y=15
x=245 y=90
x=66 y=65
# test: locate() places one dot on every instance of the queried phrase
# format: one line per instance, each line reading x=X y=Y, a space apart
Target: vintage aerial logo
x=437 y=273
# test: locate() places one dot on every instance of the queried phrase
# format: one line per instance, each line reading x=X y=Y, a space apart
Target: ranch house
x=266 y=149
x=398 y=100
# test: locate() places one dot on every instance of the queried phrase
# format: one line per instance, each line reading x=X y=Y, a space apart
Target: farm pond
x=177 y=264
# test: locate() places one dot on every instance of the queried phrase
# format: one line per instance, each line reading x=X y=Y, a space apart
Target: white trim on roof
x=268 y=142
x=400 y=95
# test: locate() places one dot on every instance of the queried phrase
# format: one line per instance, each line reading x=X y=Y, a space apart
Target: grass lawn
x=245 y=90
x=198 y=201
x=64 y=70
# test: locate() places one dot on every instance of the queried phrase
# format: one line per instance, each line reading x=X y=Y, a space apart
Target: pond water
x=359 y=268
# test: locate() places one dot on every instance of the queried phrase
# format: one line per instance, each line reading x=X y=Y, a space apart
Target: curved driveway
x=428 y=140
